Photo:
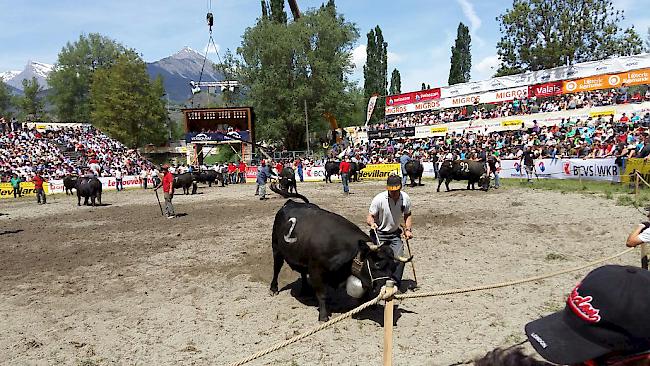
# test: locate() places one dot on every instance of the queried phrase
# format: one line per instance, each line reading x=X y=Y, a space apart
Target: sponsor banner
x=315 y=174
x=545 y=90
x=251 y=173
x=588 y=169
x=607 y=112
x=513 y=123
x=591 y=169
x=413 y=97
x=417 y=107
x=428 y=169
x=26 y=189
x=204 y=137
x=379 y=171
x=495 y=96
x=642 y=166
x=606 y=81
x=391 y=133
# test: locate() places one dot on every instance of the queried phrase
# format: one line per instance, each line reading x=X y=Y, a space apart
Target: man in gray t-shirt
x=385 y=214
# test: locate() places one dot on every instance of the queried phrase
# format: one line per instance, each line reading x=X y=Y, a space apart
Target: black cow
x=470 y=170
x=288 y=180
x=355 y=170
x=414 y=169
x=185 y=181
x=323 y=245
x=331 y=168
x=89 y=188
x=208 y=177
x=70 y=183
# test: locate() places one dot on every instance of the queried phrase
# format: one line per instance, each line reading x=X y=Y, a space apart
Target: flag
x=371 y=108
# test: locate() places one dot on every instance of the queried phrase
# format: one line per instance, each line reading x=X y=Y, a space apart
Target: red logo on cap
x=582 y=307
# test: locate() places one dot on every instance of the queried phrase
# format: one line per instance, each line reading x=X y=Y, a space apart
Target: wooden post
x=645 y=252
x=388 y=323
x=636 y=186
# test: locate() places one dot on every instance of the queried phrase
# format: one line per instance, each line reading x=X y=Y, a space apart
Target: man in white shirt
x=384 y=217
x=118 y=179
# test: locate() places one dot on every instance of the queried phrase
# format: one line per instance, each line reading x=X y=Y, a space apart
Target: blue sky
x=419 y=32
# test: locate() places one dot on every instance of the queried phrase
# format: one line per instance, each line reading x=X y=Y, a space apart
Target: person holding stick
x=168 y=191
x=384 y=217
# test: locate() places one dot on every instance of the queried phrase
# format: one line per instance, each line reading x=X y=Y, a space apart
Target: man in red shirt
x=38 y=187
x=279 y=166
x=231 y=173
x=344 y=172
x=242 y=172
x=168 y=191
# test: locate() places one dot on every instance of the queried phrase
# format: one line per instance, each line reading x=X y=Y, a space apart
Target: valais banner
x=545 y=90
x=413 y=97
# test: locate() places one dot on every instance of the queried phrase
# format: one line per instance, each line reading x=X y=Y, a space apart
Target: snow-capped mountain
x=5 y=76
x=179 y=69
x=35 y=69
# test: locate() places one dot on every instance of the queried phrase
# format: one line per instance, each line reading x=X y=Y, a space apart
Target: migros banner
x=380 y=171
x=26 y=189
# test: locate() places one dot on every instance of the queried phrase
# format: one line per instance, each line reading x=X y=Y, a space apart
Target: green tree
x=278 y=14
x=126 y=104
x=375 y=72
x=71 y=78
x=542 y=34
x=461 y=56
x=31 y=104
x=265 y=9
x=395 y=82
x=6 y=101
x=285 y=65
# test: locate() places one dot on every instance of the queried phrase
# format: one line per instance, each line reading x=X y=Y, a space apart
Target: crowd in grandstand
x=521 y=106
x=60 y=151
x=599 y=137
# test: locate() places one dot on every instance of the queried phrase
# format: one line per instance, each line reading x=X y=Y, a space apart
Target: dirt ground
x=120 y=285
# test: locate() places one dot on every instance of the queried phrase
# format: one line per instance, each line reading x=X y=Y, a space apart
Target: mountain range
x=177 y=71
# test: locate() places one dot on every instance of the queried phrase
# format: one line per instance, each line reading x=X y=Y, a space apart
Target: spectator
x=605 y=321
x=15 y=184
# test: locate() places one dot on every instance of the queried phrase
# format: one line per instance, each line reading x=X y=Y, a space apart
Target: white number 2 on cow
x=288 y=237
x=464 y=167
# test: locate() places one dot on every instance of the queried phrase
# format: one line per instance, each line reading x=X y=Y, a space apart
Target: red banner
x=545 y=90
x=413 y=97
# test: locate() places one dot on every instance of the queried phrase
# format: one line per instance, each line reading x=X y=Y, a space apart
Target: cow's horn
x=372 y=247
x=404 y=259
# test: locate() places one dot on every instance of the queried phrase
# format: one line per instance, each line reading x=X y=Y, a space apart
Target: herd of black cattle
x=472 y=171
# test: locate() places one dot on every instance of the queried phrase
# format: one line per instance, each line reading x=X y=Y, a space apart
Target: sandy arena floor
x=120 y=285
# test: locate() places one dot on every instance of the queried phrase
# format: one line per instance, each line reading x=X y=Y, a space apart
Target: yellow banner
x=515 y=122
x=26 y=189
x=609 y=112
x=379 y=171
x=636 y=164
x=443 y=129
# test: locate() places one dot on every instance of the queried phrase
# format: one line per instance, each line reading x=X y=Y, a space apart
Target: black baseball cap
x=609 y=311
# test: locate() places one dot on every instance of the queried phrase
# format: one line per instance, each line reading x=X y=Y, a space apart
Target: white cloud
x=474 y=20
x=359 y=56
x=469 y=12
x=486 y=68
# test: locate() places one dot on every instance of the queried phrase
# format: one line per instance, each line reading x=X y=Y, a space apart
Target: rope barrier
x=383 y=296
x=509 y=283
x=299 y=337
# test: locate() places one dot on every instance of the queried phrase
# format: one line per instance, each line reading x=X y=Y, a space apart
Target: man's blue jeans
x=345 y=178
